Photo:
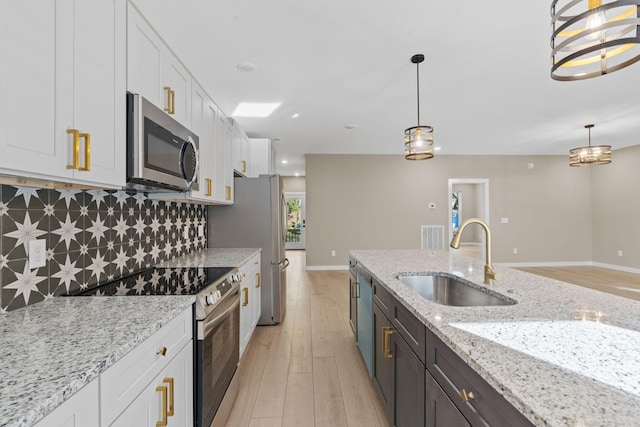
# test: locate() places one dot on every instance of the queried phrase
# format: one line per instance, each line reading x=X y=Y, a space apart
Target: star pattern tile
x=92 y=235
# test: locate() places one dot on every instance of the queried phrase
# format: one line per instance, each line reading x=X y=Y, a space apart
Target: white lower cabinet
x=167 y=400
x=138 y=384
x=250 y=300
x=80 y=410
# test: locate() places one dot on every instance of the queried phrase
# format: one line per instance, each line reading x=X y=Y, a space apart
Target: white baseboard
x=545 y=264
x=327 y=267
x=570 y=264
x=617 y=267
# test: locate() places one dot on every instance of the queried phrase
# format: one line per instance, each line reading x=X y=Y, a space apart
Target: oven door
x=217 y=353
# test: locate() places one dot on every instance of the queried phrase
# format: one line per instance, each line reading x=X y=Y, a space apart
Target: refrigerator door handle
x=284 y=263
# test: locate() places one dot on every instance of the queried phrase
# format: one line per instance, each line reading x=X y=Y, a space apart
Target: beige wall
x=294 y=184
x=616 y=209
x=380 y=201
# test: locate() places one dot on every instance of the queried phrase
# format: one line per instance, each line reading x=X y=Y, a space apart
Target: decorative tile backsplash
x=91 y=236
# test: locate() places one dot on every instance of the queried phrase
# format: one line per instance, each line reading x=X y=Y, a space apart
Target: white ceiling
x=485 y=83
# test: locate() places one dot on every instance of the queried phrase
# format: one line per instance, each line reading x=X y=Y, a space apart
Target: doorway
x=296 y=221
x=469 y=198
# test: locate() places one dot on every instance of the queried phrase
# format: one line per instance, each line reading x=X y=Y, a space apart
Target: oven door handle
x=230 y=305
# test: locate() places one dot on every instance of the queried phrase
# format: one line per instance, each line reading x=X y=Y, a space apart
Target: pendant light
x=418 y=140
x=591 y=155
x=593 y=37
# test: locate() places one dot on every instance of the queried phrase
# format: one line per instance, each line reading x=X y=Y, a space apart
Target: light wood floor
x=307 y=370
x=602 y=279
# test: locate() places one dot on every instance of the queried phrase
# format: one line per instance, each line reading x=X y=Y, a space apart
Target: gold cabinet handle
x=244 y=166
x=162 y=351
x=228 y=187
x=87 y=152
x=170 y=381
x=258 y=279
x=209 y=185
x=168 y=107
x=466 y=396
x=353 y=289
x=76 y=148
x=173 y=102
x=163 y=421
x=387 y=331
x=245 y=291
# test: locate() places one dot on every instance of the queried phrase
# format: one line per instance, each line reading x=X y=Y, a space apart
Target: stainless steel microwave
x=161 y=153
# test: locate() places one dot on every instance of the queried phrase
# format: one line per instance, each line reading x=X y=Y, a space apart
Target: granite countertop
x=564 y=355
x=51 y=349
x=213 y=257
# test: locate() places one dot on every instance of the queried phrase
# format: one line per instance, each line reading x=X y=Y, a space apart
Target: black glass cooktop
x=159 y=281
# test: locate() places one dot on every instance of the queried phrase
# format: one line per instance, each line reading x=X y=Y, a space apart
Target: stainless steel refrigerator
x=257 y=219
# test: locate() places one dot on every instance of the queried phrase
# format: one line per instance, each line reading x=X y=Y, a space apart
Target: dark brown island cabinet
x=420 y=380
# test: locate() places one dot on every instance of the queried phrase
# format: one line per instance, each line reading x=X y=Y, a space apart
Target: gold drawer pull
x=244 y=166
x=387 y=331
x=258 y=279
x=246 y=297
x=228 y=187
x=163 y=420
x=170 y=381
x=162 y=351
x=76 y=148
x=168 y=107
x=209 y=185
x=466 y=396
x=87 y=152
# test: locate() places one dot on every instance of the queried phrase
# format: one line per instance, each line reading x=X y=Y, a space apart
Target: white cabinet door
x=250 y=300
x=144 y=60
x=66 y=73
x=28 y=85
x=168 y=399
x=262 y=157
x=154 y=72
x=228 y=161
x=178 y=79
x=80 y=410
x=98 y=92
x=199 y=102
x=240 y=151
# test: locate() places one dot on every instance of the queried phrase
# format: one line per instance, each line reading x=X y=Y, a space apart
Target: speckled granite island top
x=564 y=355
x=50 y=350
x=213 y=257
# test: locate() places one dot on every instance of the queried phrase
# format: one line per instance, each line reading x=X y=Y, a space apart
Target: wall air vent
x=432 y=237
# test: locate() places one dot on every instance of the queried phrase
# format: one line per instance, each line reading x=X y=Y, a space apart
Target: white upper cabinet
x=241 y=160
x=262 y=156
x=64 y=85
x=154 y=72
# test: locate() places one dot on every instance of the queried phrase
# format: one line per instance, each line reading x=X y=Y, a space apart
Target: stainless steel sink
x=447 y=290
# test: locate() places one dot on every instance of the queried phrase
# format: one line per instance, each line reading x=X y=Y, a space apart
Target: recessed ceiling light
x=296 y=174
x=437 y=148
x=255 y=109
x=246 y=67
x=295 y=116
x=284 y=162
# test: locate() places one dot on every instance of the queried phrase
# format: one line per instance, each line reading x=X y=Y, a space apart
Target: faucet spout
x=489 y=272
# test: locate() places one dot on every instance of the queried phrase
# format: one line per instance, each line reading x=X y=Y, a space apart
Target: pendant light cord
x=418 y=89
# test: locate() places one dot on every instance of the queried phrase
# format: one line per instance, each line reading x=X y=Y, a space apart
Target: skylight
x=255 y=109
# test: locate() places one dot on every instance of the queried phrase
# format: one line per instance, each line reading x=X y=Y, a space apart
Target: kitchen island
x=563 y=355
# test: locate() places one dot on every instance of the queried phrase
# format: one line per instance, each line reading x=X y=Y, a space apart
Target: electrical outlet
x=515 y=251
x=504 y=220
x=200 y=230
x=333 y=253
x=185 y=232
x=619 y=252
x=37 y=253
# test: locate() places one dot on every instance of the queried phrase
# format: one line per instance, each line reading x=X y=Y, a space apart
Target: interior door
x=295 y=238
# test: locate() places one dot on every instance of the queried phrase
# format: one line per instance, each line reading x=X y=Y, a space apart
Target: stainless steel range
x=216 y=328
